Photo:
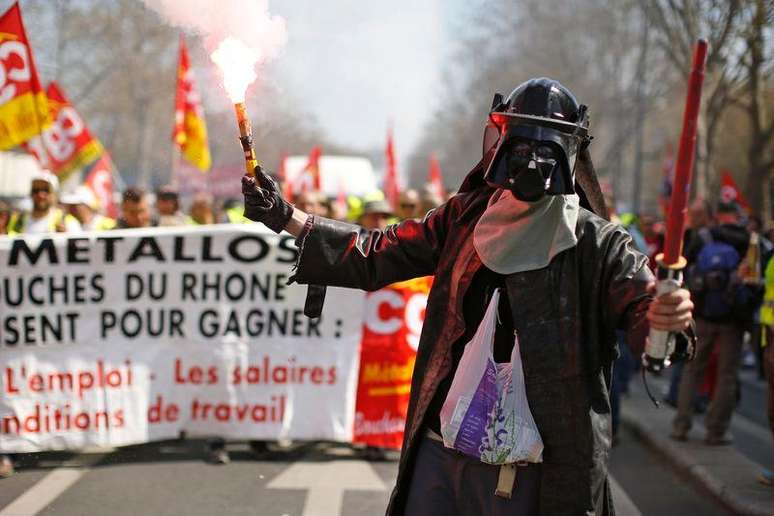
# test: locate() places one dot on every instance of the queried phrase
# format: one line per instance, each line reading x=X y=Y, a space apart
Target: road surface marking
x=624 y=506
x=48 y=488
x=326 y=483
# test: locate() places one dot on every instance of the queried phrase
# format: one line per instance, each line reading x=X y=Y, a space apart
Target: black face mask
x=530 y=168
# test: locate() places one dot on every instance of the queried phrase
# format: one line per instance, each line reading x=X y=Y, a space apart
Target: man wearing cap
x=376 y=215
x=82 y=204
x=45 y=216
x=409 y=205
x=527 y=222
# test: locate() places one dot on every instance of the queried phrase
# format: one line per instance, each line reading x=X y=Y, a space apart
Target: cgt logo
x=387 y=311
x=59 y=139
x=15 y=68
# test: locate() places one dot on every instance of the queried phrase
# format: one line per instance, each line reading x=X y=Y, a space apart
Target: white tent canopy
x=353 y=175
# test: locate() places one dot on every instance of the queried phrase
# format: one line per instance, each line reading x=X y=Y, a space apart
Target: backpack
x=713 y=277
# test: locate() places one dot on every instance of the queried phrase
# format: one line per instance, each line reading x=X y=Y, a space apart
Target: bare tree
x=756 y=98
x=117 y=62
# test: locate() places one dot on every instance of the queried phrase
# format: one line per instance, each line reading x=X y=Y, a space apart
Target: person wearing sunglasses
x=45 y=216
x=527 y=228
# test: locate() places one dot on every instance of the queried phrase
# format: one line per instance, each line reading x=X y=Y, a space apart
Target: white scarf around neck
x=516 y=236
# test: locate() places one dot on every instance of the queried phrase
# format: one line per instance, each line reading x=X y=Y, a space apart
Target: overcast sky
x=360 y=65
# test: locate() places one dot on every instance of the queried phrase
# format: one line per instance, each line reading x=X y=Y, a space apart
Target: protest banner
x=391 y=328
x=129 y=336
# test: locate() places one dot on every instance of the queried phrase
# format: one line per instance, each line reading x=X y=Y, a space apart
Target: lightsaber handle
x=661 y=344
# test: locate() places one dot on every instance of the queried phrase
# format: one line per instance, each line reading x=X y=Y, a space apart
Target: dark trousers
x=728 y=339
x=448 y=483
x=623 y=368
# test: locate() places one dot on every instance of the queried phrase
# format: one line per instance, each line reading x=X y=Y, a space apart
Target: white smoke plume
x=252 y=35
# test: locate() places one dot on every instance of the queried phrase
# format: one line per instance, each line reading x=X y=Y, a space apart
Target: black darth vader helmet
x=534 y=137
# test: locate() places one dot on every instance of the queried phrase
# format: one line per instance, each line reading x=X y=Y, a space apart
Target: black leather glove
x=264 y=201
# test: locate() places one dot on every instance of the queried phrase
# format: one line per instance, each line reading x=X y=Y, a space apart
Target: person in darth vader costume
x=527 y=220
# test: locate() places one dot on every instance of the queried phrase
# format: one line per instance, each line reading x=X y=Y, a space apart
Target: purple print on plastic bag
x=473 y=428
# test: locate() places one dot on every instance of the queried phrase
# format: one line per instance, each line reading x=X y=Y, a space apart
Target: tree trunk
x=642 y=103
x=757 y=186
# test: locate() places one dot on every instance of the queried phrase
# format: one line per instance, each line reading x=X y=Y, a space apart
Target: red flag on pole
x=190 y=131
x=434 y=178
x=730 y=192
x=23 y=104
x=390 y=185
x=100 y=180
x=313 y=166
x=67 y=145
x=309 y=178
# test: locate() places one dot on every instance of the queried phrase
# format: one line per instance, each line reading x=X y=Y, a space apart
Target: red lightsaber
x=671 y=263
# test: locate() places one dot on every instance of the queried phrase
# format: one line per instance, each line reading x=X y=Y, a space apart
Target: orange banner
x=393 y=322
x=23 y=106
x=190 y=133
x=67 y=145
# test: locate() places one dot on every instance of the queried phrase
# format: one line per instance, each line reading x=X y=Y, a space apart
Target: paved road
x=311 y=479
x=319 y=479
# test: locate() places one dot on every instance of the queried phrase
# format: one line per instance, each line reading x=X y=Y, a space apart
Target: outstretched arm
x=296 y=223
x=340 y=254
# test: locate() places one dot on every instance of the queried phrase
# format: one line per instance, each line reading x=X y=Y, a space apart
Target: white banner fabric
x=130 y=336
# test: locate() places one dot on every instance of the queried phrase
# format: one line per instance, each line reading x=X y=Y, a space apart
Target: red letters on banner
x=393 y=322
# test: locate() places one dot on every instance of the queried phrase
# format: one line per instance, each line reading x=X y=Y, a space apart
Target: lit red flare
x=246 y=138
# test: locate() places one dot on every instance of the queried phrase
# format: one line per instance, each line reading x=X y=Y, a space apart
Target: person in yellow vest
x=45 y=216
x=5 y=217
x=767 y=327
x=234 y=212
x=83 y=205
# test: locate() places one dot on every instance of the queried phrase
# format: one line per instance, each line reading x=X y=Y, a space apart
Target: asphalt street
x=322 y=479
x=172 y=478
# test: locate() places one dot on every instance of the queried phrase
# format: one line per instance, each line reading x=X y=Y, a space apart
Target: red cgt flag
x=23 y=105
x=190 y=133
x=309 y=178
x=435 y=179
x=100 y=180
x=66 y=145
x=282 y=173
x=730 y=192
x=390 y=185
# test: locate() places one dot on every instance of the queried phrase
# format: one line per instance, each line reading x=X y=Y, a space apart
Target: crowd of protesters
x=730 y=275
x=79 y=210
x=53 y=211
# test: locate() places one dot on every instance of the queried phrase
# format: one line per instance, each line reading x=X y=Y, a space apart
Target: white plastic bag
x=486 y=414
